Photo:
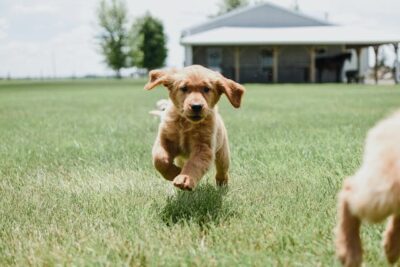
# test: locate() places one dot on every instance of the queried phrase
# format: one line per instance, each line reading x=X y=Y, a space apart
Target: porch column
x=188 y=55
x=376 y=51
x=237 y=64
x=275 y=67
x=358 y=52
x=397 y=64
x=312 y=64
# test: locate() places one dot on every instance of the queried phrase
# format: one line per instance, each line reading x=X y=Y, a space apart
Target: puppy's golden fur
x=372 y=194
x=192 y=134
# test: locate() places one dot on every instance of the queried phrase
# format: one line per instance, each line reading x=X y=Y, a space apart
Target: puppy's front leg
x=196 y=166
x=163 y=160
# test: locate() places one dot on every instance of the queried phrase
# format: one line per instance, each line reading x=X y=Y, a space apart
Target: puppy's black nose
x=196 y=107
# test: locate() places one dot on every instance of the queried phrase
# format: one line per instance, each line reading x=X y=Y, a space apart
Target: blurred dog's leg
x=348 y=242
x=391 y=241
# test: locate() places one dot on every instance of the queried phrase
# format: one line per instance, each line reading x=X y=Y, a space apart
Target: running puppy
x=372 y=194
x=192 y=134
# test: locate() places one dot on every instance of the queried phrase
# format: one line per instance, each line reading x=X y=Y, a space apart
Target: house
x=267 y=43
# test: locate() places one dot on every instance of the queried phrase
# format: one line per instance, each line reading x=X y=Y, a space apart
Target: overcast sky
x=40 y=37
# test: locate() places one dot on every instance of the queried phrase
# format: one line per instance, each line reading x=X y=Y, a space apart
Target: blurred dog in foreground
x=192 y=134
x=372 y=194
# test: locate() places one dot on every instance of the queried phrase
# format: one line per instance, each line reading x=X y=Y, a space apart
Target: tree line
x=142 y=44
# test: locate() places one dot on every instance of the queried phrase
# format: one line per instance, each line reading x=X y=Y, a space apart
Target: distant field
x=77 y=186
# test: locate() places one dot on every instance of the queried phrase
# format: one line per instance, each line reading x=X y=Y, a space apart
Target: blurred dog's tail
x=157 y=113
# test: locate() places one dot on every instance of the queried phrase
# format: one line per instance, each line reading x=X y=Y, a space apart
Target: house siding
x=294 y=64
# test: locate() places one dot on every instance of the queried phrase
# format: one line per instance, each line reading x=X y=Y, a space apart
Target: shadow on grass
x=203 y=206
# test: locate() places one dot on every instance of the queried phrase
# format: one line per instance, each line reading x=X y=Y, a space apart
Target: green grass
x=77 y=186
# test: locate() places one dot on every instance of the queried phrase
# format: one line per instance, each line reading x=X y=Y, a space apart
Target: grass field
x=77 y=186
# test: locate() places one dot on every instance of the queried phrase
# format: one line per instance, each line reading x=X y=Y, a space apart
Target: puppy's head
x=195 y=90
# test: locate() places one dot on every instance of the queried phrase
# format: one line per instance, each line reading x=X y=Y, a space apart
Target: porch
x=287 y=55
x=273 y=64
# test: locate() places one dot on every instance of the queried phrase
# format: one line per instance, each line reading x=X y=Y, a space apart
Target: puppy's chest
x=189 y=139
x=183 y=143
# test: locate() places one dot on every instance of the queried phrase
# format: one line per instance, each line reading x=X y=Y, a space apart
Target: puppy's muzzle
x=196 y=112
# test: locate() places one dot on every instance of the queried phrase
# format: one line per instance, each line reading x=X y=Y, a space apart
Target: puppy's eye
x=206 y=89
x=184 y=89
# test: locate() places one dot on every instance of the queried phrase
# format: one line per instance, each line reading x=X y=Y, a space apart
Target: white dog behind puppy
x=161 y=106
x=372 y=194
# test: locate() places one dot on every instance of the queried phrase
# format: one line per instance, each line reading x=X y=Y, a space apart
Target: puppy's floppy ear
x=157 y=77
x=232 y=90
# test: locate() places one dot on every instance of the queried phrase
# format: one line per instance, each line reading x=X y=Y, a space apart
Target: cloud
x=3 y=28
x=27 y=9
x=76 y=52
x=70 y=53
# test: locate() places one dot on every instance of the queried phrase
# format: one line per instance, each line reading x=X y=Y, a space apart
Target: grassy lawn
x=77 y=186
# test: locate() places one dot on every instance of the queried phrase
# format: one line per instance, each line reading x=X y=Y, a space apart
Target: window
x=267 y=60
x=214 y=58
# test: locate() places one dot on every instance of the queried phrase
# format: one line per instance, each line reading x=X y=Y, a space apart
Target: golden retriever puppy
x=192 y=134
x=372 y=194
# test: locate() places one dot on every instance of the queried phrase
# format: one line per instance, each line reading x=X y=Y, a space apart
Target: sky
x=42 y=38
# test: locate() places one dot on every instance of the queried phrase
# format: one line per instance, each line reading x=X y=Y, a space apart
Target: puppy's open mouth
x=195 y=118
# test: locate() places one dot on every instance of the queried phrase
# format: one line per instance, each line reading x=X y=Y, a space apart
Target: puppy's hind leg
x=391 y=241
x=222 y=160
x=348 y=242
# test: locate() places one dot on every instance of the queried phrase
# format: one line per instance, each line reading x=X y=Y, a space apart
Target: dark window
x=267 y=60
x=214 y=58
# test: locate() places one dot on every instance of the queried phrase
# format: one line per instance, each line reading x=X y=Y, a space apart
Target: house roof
x=328 y=35
x=261 y=15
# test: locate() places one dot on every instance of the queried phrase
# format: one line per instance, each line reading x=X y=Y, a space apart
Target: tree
x=112 y=19
x=148 y=43
x=226 y=6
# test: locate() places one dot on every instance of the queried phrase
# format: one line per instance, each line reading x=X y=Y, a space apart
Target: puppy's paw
x=222 y=180
x=184 y=182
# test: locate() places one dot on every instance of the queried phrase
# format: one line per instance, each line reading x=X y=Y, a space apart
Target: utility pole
x=376 y=67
